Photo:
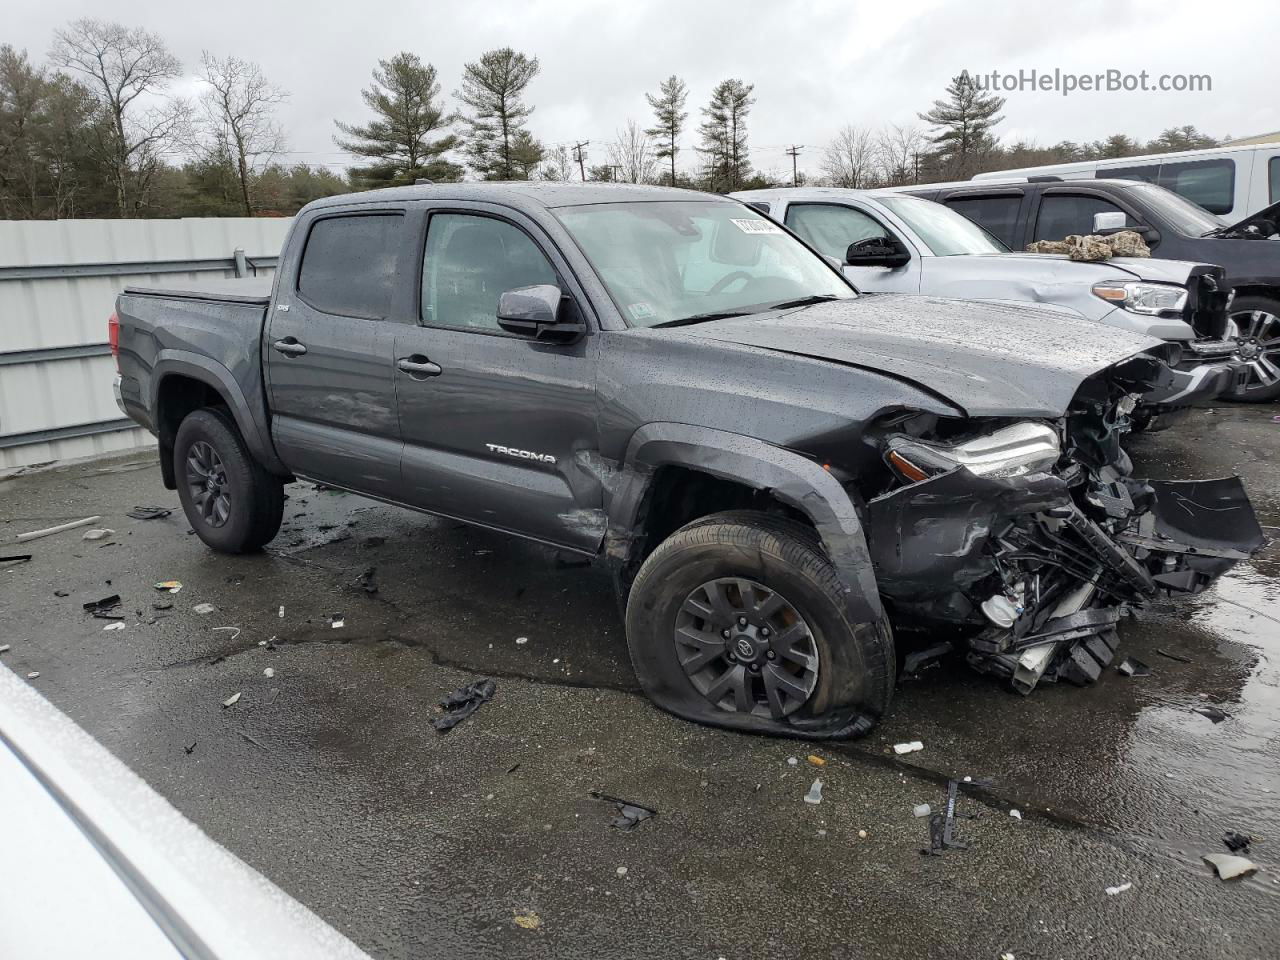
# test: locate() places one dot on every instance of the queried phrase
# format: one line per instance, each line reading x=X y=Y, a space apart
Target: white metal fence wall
x=58 y=285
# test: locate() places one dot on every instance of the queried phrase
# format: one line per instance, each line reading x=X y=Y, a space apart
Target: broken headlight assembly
x=1011 y=451
x=1149 y=299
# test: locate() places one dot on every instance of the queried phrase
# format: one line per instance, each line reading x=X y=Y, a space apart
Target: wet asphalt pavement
x=329 y=778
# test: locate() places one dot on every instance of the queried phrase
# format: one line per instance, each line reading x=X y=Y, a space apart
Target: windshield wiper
x=805 y=301
x=701 y=318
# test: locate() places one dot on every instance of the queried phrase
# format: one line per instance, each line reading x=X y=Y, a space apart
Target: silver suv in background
x=889 y=242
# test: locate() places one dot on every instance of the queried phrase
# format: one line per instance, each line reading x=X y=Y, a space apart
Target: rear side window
x=1274 y=195
x=1209 y=183
x=997 y=215
x=349 y=265
x=830 y=229
x=1064 y=215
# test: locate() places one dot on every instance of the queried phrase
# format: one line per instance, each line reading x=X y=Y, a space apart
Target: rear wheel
x=738 y=620
x=232 y=503
x=1257 y=334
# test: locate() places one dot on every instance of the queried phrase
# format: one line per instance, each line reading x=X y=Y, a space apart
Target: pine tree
x=399 y=140
x=963 y=125
x=669 y=117
x=724 y=136
x=498 y=145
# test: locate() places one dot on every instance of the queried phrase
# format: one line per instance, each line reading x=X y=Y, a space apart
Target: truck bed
x=254 y=290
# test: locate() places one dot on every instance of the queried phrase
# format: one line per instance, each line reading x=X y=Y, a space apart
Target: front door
x=830 y=227
x=329 y=351
x=498 y=429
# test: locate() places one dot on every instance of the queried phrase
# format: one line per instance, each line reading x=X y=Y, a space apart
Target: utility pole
x=581 y=158
x=793 y=152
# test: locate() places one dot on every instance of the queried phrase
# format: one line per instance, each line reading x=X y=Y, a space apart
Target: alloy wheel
x=207 y=484
x=1257 y=336
x=745 y=648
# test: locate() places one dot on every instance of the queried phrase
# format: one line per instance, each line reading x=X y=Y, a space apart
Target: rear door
x=498 y=429
x=1001 y=213
x=329 y=347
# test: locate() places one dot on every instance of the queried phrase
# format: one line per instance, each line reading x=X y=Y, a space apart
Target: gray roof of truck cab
x=519 y=193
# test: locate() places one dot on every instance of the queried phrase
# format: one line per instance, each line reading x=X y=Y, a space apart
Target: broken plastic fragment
x=4 y=648
x=1216 y=714
x=462 y=703
x=1230 y=866
x=203 y=608
x=1112 y=891
x=173 y=586
x=630 y=815
x=1016 y=814
x=33 y=674
x=114 y=626
x=231 y=700
x=921 y=810
x=1132 y=667
x=106 y=608
x=814 y=795
x=792 y=761
x=97 y=534
x=910 y=747
x=816 y=760
x=269 y=672
x=337 y=621
x=281 y=614
x=522 y=640
x=149 y=513
x=1237 y=842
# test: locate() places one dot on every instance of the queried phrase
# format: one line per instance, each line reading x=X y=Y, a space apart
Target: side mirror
x=1110 y=220
x=537 y=312
x=877 y=252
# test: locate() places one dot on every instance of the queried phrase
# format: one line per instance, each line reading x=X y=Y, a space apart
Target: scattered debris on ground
x=1174 y=656
x=910 y=747
x=1216 y=714
x=462 y=703
x=921 y=810
x=1230 y=866
x=269 y=672
x=33 y=674
x=337 y=621
x=50 y=531
x=105 y=609
x=1133 y=667
x=918 y=660
x=630 y=814
x=1237 y=842
x=254 y=740
x=98 y=533
x=235 y=631
x=117 y=625
x=231 y=701
x=942 y=826
x=203 y=608
x=528 y=920
x=170 y=586
x=5 y=648
x=162 y=605
x=149 y=513
x=522 y=640
x=793 y=761
x=1112 y=891
x=816 y=760
x=190 y=747
x=367 y=582
x=1016 y=814
x=281 y=613
x=17 y=558
x=814 y=795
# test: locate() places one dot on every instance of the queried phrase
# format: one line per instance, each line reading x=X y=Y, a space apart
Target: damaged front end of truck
x=1031 y=538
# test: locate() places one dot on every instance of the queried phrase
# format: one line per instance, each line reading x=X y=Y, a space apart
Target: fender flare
x=213 y=374
x=794 y=479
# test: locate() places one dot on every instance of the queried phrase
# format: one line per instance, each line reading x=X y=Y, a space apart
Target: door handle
x=289 y=346
x=419 y=367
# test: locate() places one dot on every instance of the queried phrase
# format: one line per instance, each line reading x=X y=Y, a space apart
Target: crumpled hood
x=989 y=359
x=1263 y=222
x=1085 y=271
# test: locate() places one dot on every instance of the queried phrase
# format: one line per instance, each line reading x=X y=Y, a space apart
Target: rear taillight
x=113 y=337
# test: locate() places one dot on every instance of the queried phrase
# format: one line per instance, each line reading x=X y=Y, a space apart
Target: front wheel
x=738 y=620
x=1257 y=334
x=232 y=503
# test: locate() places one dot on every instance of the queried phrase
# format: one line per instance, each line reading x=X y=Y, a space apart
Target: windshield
x=1181 y=214
x=945 y=232
x=683 y=260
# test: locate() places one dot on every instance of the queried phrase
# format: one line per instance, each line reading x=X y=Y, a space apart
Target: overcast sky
x=816 y=65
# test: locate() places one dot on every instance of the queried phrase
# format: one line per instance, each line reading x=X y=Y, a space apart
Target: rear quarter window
x=349 y=264
x=1274 y=195
x=1208 y=183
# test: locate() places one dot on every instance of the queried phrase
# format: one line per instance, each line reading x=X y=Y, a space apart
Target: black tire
x=254 y=498
x=772 y=556
x=1257 y=321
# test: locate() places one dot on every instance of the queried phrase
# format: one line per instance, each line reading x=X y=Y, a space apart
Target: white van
x=1232 y=182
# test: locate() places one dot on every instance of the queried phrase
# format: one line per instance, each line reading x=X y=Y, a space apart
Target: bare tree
x=849 y=160
x=631 y=153
x=239 y=109
x=558 y=165
x=129 y=70
x=900 y=149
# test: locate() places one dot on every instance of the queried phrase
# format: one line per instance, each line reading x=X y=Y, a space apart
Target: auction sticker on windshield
x=756 y=226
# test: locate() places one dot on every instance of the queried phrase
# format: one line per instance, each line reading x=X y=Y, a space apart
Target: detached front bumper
x=1203 y=375
x=1040 y=570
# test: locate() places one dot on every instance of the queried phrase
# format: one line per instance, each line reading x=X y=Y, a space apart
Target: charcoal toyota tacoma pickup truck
x=777 y=471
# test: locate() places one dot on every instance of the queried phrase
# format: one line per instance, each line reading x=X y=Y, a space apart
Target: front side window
x=945 y=232
x=1209 y=183
x=680 y=260
x=470 y=262
x=1184 y=216
x=349 y=264
x=1065 y=215
x=829 y=228
x=997 y=215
